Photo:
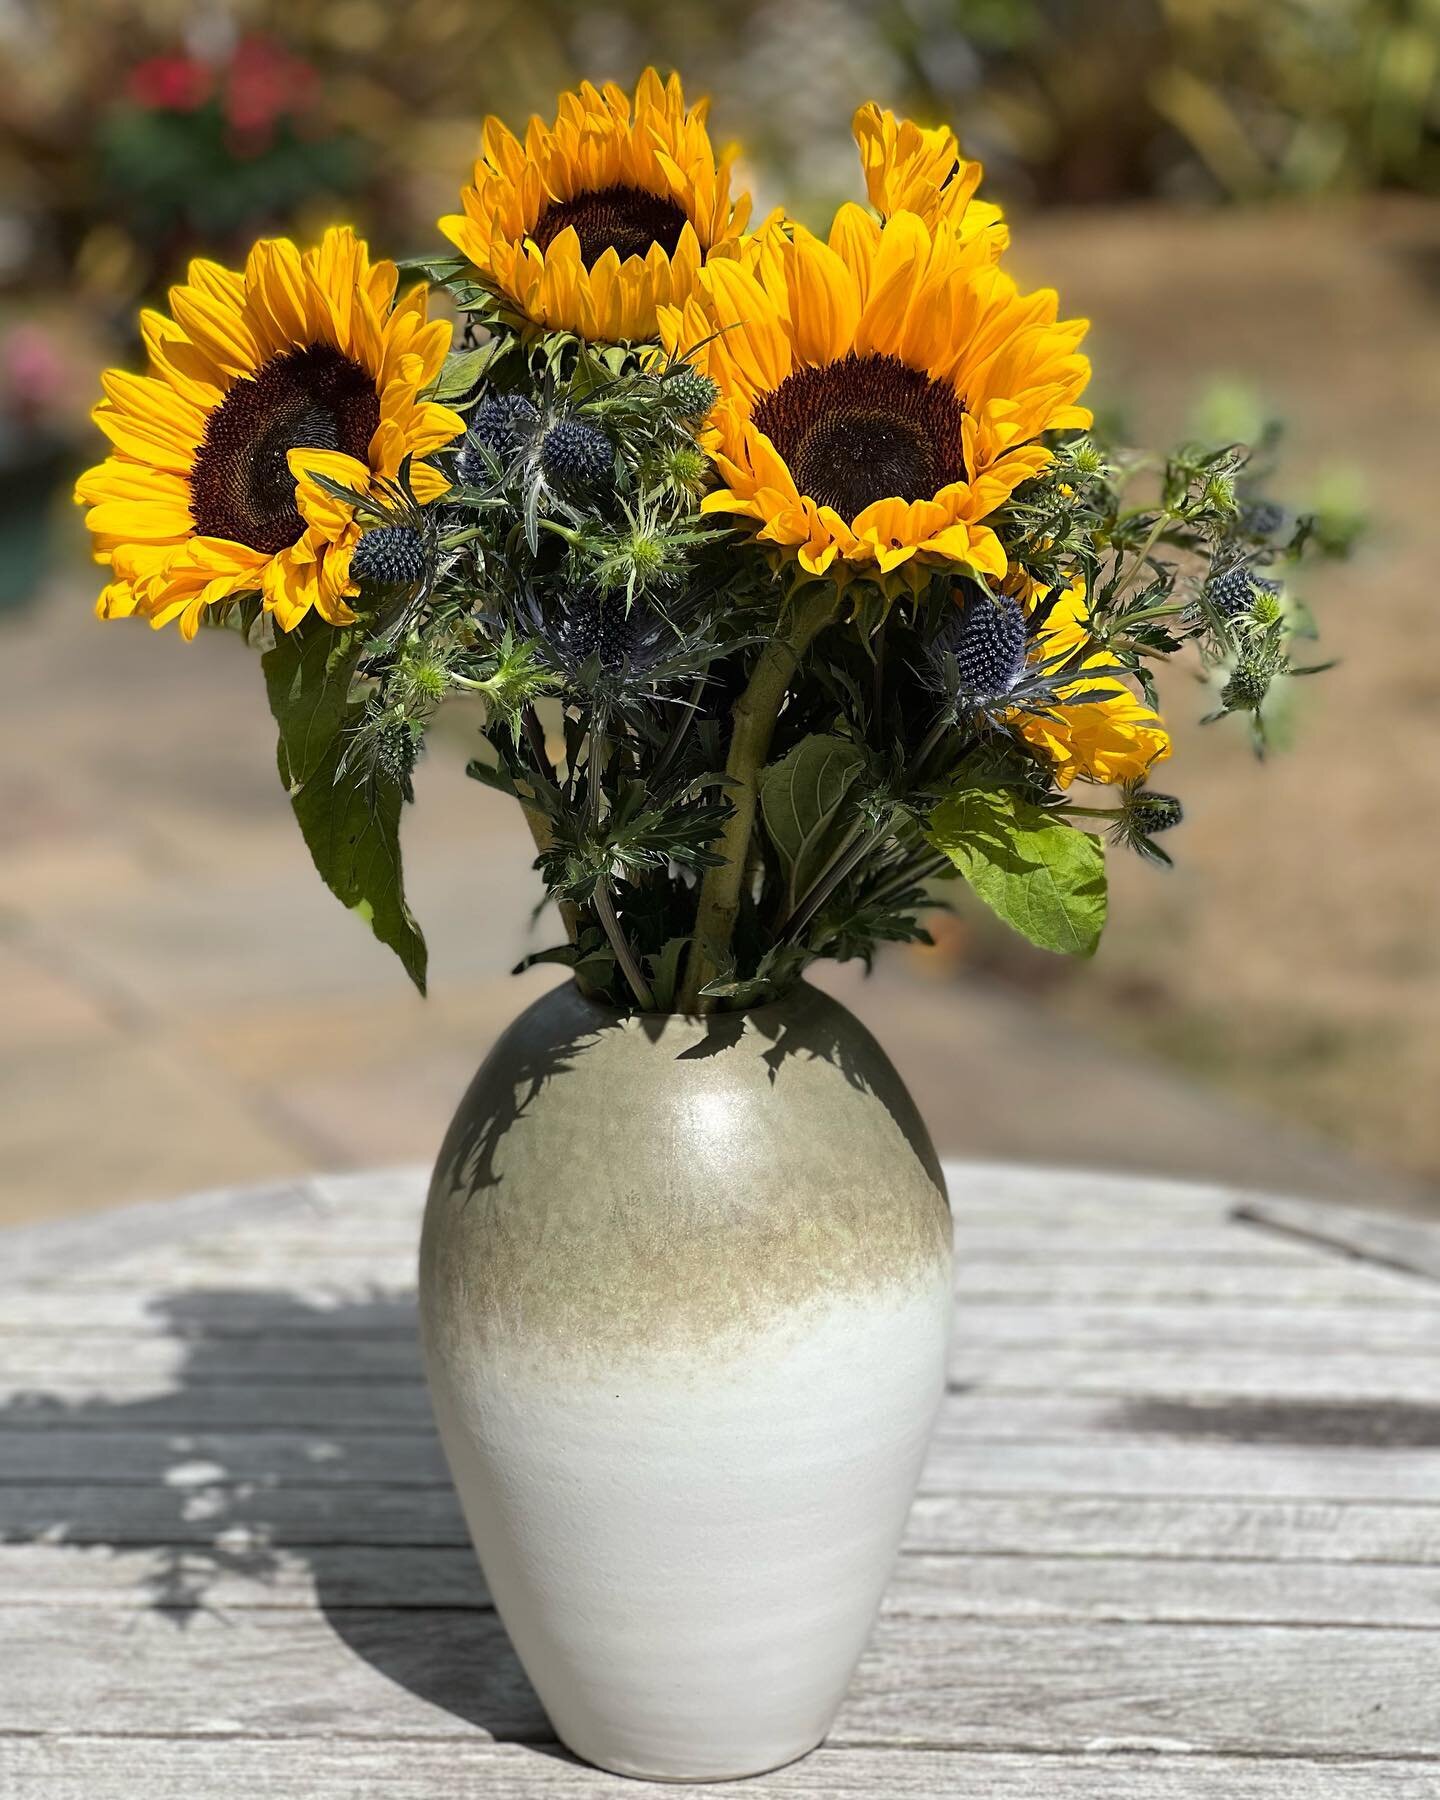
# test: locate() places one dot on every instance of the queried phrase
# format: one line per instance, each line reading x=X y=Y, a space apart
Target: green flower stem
x=754 y=725
x=912 y=874
x=624 y=955
x=1138 y=566
x=858 y=845
x=544 y=839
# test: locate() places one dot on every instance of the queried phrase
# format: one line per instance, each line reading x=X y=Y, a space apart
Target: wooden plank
x=1156 y=1590
x=103 y=1400
x=184 y=1233
x=263 y=1461
x=958 y=1465
x=238 y=1309
x=1317 y=1280
x=1306 y=1278
x=63 y=1247
x=366 y=1673
x=156 y=1405
x=1409 y=1244
x=466 y=1767
x=36 y=1359
x=238 y=1520
x=1230 y=1366
x=46 y=1333
x=346 y=1256
x=1159 y=1590
x=944 y=1683
x=403 y=1409
x=1071 y=1418
x=243 y=1577
x=1346 y=1373
x=1275 y=1690
x=1227 y=1530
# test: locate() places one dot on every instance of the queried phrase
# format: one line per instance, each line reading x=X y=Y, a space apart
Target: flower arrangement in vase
x=797 y=594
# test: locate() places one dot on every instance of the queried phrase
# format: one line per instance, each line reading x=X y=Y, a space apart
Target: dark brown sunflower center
x=624 y=219
x=241 y=487
x=863 y=429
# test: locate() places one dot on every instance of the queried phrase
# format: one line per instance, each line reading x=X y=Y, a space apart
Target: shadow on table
x=294 y=1451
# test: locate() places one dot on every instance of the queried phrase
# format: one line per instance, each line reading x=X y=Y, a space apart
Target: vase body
x=685 y=1293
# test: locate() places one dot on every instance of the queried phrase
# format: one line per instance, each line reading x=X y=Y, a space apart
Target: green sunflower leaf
x=1039 y=875
x=462 y=373
x=308 y=675
x=349 y=817
x=350 y=820
x=801 y=799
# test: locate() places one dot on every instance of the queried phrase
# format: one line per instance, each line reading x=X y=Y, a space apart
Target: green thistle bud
x=685 y=468
x=1248 y=685
x=425 y=676
x=1085 y=459
x=1269 y=608
x=396 y=750
x=646 y=552
x=691 y=394
x=1151 y=813
x=1141 y=816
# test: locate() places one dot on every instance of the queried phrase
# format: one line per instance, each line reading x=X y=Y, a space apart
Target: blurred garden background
x=1241 y=196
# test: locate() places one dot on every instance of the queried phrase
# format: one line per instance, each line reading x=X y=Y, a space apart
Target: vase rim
x=799 y=991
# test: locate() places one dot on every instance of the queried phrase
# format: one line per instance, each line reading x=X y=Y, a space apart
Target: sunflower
x=880 y=395
x=1111 y=735
x=302 y=365
x=595 y=221
x=918 y=169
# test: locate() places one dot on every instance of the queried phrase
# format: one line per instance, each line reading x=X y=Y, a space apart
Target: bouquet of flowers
x=789 y=575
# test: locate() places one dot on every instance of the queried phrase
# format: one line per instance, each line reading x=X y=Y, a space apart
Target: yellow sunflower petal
x=647 y=165
x=243 y=353
x=907 y=359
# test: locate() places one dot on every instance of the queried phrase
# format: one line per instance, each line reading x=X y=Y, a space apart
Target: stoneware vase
x=686 y=1295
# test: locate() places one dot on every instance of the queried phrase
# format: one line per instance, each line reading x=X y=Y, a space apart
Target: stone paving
x=183 y=1006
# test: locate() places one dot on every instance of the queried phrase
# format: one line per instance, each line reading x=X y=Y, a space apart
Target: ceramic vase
x=685 y=1292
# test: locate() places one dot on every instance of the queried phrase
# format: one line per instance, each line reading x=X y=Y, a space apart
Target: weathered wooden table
x=1179 y=1536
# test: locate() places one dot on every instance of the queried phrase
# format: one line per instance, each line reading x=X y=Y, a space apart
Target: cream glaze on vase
x=686 y=1298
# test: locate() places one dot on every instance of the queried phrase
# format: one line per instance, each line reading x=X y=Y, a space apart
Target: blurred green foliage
x=1066 y=101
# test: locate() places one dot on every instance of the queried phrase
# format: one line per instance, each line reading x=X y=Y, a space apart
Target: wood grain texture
x=1161 y=1590
x=960 y=1462
x=951 y=1683
x=1409 y=1244
x=468 y=1767
x=1178 y=1537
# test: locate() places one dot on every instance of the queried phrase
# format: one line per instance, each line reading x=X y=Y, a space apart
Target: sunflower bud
x=576 y=456
x=389 y=556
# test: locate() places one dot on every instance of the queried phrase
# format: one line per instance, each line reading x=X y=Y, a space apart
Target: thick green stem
x=620 y=944
x=1137 y=568
x=544 y=838
x=754 y=725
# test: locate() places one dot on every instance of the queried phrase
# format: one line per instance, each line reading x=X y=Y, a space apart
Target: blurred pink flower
x=171 y=83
